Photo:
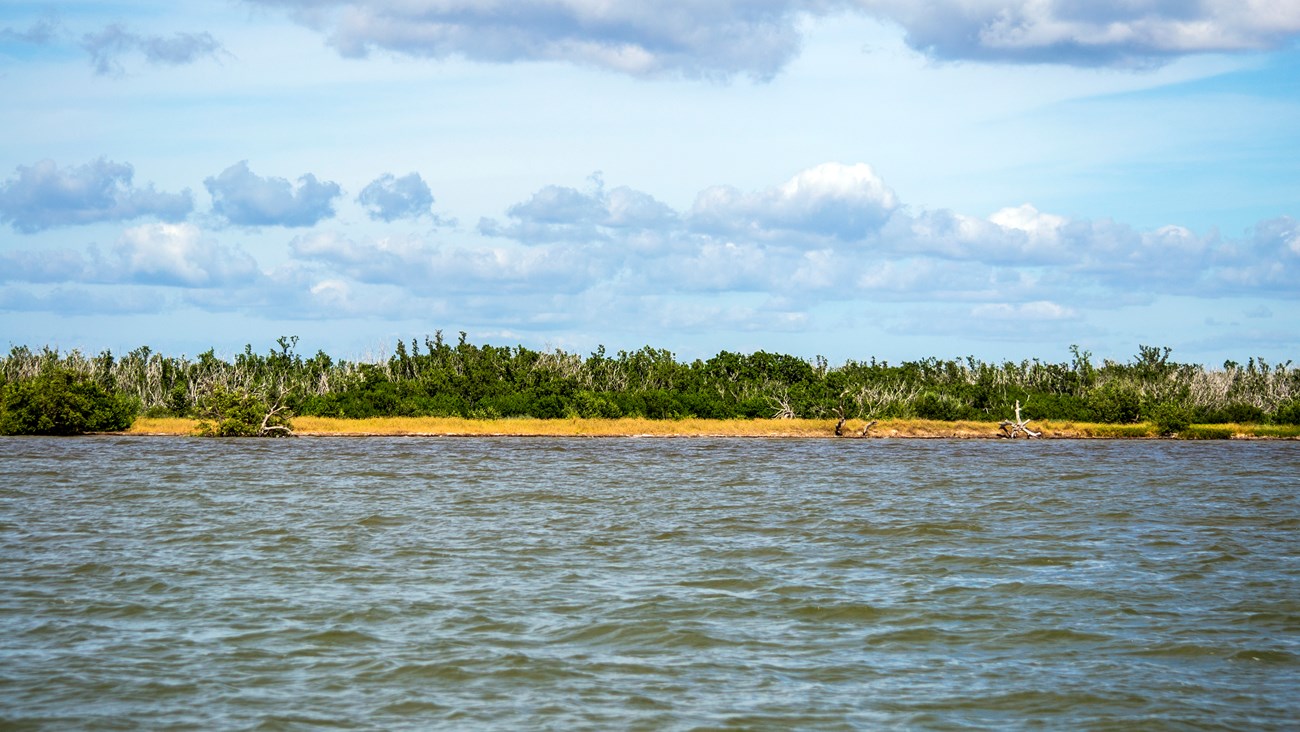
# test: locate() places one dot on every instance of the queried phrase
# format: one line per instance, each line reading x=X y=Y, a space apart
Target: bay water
x=553 y=583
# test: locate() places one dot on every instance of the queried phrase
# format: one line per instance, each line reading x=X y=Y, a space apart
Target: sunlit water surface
x=648 y=584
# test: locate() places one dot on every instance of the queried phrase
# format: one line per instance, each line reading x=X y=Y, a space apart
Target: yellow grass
x=523 y=426
x=163 y=426
x=635 y=427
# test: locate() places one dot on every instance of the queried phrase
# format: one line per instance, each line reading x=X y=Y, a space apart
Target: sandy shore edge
x=704 y=428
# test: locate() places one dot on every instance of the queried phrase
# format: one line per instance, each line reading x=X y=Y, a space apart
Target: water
x=648 y=584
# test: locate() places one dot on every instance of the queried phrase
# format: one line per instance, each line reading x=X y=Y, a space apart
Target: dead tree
x=839 y=426
x=1014 y=429
x=281 y=424
x=781 y=405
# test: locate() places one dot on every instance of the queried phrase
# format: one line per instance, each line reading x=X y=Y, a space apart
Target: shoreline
x=715 y=428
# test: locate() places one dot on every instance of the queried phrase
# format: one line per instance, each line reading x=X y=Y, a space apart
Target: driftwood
x=1014 y=429
x=839 y=428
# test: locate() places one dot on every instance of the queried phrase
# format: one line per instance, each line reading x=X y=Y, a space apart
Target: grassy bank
x=633 y=427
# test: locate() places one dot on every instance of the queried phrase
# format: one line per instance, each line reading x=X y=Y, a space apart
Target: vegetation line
x=279 y=392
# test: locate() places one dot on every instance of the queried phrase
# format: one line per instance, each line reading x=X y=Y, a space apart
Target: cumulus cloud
x=388 y=198
x=179 y=255
x=246 y=199
x=43 y=196
x=757 y=38
x=108 y=46
x=843 y=201
x=560 y=213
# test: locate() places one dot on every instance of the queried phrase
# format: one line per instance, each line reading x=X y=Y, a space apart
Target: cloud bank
x=757 y=38
x=604 y=257
x=173 y=255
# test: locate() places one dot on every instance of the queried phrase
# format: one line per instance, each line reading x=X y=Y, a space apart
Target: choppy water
x=648 y=584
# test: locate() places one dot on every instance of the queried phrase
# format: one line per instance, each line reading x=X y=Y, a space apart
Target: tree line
x=435 y=377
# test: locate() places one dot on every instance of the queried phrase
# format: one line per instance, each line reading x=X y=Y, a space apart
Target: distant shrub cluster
x=439 y=378
x=60 y=401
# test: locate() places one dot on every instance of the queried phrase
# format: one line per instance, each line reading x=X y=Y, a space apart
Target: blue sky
x=848 y=178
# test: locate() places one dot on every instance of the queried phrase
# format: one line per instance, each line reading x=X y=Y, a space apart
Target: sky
x=854 y=179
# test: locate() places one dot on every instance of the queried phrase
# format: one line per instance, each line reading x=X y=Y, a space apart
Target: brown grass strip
x=639 y=427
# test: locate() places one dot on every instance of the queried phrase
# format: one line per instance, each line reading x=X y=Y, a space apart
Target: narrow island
x=438 y=388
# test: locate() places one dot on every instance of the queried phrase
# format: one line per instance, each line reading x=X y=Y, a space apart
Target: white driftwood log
x=1018 y=427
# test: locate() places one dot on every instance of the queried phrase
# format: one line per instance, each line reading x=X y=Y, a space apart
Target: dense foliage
x=439 y=378
x=60 y=401
x=240 y=414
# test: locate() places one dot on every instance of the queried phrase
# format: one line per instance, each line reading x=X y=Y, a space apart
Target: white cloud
x=1036 y=310
x=428 y=267
x=45 y=196
x=606 y=258
x=178 y=254
x=246 y=199
x=1026 y=218
x=847 y=202
x=388 y=198
x=560 y=213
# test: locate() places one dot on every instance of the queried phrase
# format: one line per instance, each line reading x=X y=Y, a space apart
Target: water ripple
x=647 y=584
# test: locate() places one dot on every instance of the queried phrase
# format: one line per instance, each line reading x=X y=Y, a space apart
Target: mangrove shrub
x=60 y=402
x=240 y=414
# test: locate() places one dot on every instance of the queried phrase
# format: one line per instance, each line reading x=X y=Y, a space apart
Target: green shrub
x=706 y=406
x=932 y=405
x=754 y=408
x=549 y=406
x=59 y=402
x=240 y=414
x=1053 y=406
x=590 y=404
x=1115 y=403
x=1171 y=418
x=1235 y=413
x=661 y=404
x=1287 y=413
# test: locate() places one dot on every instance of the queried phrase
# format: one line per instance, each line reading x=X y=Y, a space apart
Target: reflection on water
x=624 y=583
